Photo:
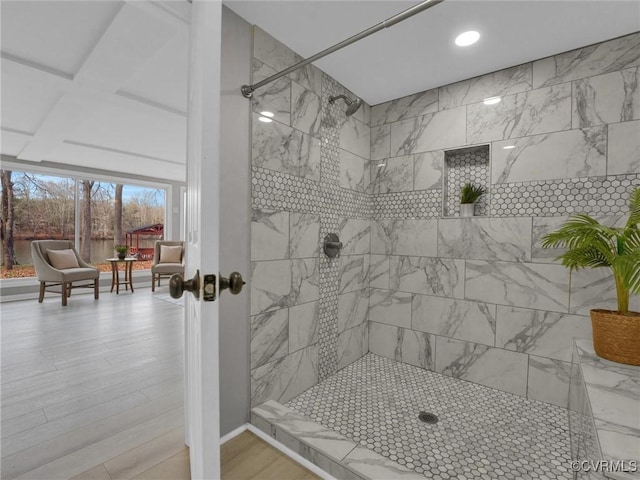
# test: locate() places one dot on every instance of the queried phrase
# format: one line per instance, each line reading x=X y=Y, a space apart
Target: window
x=45 y=208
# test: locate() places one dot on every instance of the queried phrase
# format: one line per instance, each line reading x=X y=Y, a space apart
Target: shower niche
x=465 y=165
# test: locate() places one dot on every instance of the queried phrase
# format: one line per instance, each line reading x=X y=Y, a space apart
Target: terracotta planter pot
x=616 y=337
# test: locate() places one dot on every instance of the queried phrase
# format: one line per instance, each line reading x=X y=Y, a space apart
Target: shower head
x=352 y=105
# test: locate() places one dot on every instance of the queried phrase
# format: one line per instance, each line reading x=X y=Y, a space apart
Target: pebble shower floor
x=482 y=433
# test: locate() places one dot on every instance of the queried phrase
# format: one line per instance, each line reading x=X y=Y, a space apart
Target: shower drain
x=427 y=417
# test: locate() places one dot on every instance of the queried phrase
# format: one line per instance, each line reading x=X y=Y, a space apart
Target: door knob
x=178 y=285
x=234 y=283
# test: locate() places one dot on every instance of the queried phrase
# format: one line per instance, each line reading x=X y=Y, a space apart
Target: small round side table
x=115 y=273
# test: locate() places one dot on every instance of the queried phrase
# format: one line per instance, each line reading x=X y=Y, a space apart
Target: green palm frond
x=632 y=239
x=583 y=258
x=590 y=244
x=634 y=205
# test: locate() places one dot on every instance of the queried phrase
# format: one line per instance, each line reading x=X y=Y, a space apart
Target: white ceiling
x=103 y=84
x=419 y=53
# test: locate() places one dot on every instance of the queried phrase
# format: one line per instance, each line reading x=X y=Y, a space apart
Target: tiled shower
x=473 y=299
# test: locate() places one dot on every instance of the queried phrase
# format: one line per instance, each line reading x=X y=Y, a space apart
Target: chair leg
x=96 y=288
x=41 y=297
x=64 y=294
x=153 y=282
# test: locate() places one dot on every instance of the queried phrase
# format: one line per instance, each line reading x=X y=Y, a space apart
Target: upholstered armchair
x=168 y=258
x=58 y=264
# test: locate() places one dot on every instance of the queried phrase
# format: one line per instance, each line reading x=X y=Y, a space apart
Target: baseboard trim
x=234 y=433
x=290 y=453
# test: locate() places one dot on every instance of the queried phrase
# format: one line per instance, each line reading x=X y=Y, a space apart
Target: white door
x=202 y=399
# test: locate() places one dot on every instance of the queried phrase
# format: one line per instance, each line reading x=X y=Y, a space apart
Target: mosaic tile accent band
x=590 y=195
x=329 y=281
x=481 y=432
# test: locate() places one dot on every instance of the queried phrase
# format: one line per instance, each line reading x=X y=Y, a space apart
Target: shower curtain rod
x=247 y=90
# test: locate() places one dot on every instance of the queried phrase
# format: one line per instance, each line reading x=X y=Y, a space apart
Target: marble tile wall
x=476 y=299
x=492 y=306
x=311 y=176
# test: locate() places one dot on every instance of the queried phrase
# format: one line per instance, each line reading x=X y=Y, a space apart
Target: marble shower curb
x=334 y=453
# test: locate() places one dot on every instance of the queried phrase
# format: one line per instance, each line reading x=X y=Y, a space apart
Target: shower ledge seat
x=341 y=457
x=607 y=395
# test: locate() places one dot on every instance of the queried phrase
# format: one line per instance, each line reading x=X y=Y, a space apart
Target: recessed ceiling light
x=467 y=38
x=265 y=119
x=492 y=100
x=508 y=147
x=267 y=114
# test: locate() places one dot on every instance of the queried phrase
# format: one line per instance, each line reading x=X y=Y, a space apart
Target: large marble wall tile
x=442 y=277
x=353 y=309
x=403 y=345
x=405 y=237
x=503 y=82
x=595 y=288
x=406 y=107
x=624 y=148
x=304 y=238
x=304 y=321
x=269 y=337
x=369 y=464
x=610 y=98
x=392 y=175
x=617 y=54
x=355 y=236
x=460 y=319
x=353 y=272
x=390 y=307
x=275 y=97
x=305 y=110
x=270 y=51
x=380 y=142
x=278 y=56
x=354 y=171
x=285 y=378
x=529 y=113
x=548 y=381
x=430 y=132
x=506 y=239
x=575 y=153
x=427 y=170
x=546 y=334
x=541 y=227
x=531 y=285
x=284 y=149
x=283 y=283
x=355 y=137
x=269 y=235
x=352 y=344
x=493 y=367
x=379 y=271
x=309 y=76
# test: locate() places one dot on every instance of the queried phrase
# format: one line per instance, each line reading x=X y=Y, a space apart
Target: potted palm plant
x=121 y=250
x=469 y=195
x=589 y=244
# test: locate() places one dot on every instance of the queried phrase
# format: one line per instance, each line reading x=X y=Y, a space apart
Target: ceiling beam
x=129 y=41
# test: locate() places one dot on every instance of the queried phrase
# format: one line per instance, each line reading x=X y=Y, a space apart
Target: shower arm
x=247 y=90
